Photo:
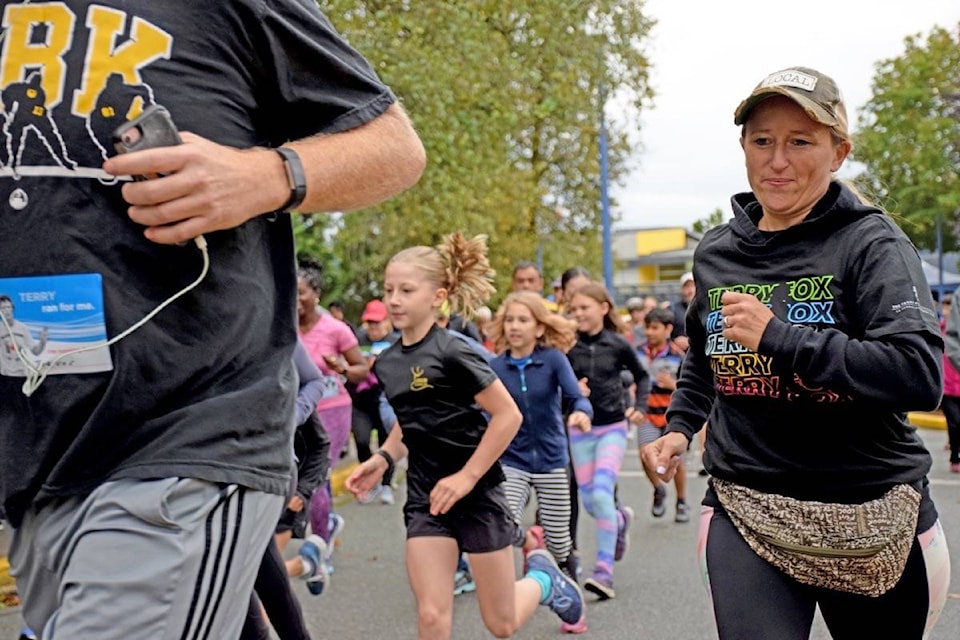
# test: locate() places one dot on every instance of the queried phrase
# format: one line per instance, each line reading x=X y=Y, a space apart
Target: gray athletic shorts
x=168 y=559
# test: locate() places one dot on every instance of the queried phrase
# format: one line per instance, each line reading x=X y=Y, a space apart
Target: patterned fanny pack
x=856 y=548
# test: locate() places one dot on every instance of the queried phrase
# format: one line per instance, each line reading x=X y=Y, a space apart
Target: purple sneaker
x=624 y=520
x=601 y=584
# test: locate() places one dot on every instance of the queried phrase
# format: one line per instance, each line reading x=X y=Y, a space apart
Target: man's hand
x=206 y=187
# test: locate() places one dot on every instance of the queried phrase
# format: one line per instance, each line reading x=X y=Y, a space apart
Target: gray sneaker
x=659 y=501
x=683 y=512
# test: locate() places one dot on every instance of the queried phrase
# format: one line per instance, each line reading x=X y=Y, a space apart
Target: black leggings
x=366 y=420
x=282 y=606
x=752 y=599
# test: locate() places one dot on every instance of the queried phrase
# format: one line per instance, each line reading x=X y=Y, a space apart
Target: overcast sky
x=708 y=55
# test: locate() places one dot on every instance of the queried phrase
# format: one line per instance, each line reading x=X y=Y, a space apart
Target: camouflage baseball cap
x=816 y=92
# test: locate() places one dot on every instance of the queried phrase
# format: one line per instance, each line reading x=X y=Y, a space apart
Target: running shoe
x=27 y=634
x=659 y=501
x=624 y=519
x=463 y=583
x=600 y=584
x=372 y=495
x=580 y=626
x=683 y=512
x=336 y=525
x=311 y=553
x=572 y=566
x=565 y=598
x=386 y=495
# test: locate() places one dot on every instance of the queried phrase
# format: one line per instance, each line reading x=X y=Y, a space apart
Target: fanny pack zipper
x=866 y=552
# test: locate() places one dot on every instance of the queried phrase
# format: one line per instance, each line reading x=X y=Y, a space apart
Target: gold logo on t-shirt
x=419 y=382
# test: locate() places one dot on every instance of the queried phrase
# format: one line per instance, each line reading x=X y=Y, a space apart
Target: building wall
x=651 y=261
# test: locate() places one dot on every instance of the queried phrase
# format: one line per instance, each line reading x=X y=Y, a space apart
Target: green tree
x=506 y=97
x=714 y=219
x=909 y=135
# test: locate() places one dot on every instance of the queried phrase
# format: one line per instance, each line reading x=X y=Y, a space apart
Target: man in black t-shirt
x=175 y=452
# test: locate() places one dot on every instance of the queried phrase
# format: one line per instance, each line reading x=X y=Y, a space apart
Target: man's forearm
x=361 y=167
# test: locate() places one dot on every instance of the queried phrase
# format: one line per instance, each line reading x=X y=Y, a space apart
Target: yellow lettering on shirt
x=104 y=58
x=22 y=53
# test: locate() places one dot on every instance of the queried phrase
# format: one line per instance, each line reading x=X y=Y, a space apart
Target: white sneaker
x=336 y=528
x=386 y=495
x=372 y=495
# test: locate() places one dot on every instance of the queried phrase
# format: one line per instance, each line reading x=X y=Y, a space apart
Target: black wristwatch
x=295 y=176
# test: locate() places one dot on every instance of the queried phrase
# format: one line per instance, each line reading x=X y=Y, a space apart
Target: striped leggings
x=553 y=504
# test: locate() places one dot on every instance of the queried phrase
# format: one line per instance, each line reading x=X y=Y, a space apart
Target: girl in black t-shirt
x=439 y=388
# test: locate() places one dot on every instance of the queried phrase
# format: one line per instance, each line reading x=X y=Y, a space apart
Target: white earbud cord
x=37 y=373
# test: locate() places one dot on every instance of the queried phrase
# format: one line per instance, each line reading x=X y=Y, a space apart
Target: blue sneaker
x=312 y=552
x=463 y=583
x=565 y=600
x=27 y=634
x=336 y=525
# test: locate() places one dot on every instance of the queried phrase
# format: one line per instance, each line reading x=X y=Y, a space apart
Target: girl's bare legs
x=431 y=563
x=505 y=603
x=283 y=539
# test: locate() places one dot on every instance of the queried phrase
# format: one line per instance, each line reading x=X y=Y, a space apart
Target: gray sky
x=708 y=56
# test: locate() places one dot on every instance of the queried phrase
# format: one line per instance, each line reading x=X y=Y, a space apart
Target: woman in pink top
x=333 y=346
x=950 y=404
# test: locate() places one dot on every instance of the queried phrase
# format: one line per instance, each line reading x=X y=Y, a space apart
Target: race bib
x=53 y=319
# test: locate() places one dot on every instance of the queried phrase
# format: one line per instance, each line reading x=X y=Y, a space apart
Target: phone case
x=151 y=129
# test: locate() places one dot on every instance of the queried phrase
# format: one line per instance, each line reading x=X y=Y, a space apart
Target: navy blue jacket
x=544 y=391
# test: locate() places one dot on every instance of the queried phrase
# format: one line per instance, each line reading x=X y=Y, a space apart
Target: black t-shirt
x=818 y=413
x=206 y=388
x=431 y=386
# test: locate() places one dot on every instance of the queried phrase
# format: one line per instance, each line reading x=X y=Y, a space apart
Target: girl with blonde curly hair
x=439 y=388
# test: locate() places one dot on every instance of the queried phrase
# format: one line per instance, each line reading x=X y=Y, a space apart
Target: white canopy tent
x=950 y=280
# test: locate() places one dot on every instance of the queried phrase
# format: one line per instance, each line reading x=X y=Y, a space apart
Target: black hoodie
x=818 y=412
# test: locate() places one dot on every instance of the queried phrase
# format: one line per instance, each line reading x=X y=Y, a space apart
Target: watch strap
x=296 y=176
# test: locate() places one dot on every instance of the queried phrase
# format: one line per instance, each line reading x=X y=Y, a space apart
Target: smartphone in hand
x=151 y=129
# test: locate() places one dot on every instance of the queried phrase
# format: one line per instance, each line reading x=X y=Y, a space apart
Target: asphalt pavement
x=660 y=595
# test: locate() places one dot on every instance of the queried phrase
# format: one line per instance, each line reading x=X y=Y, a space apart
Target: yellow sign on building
x=659 y=240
